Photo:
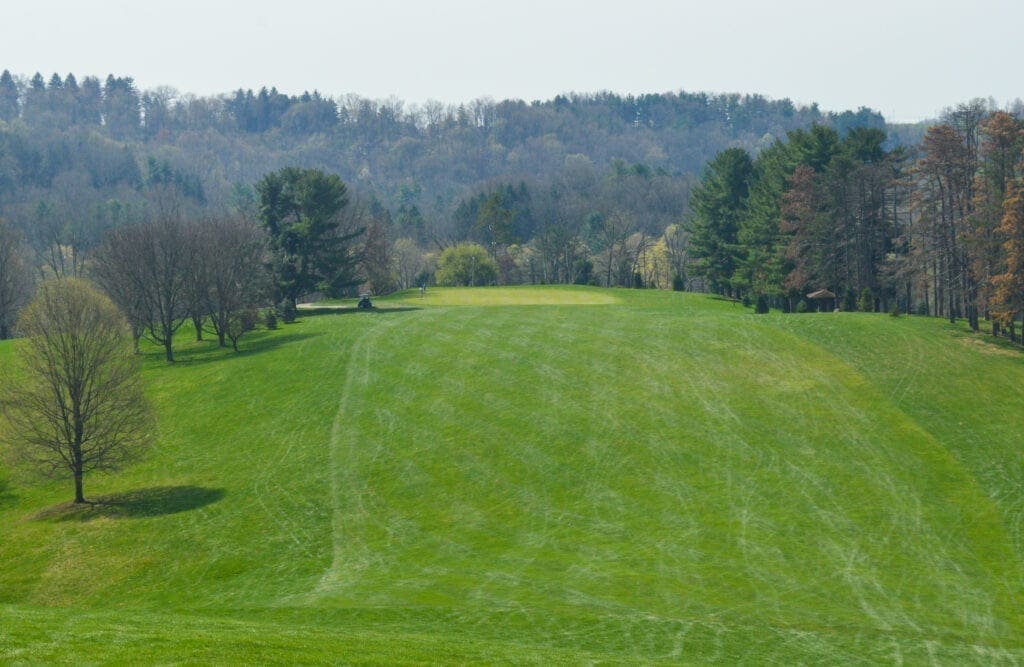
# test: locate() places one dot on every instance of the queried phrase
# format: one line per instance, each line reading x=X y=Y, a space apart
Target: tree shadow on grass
x=6 y=496
x=254 y=343
x=142 y=503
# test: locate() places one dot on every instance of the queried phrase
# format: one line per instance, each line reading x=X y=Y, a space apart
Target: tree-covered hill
x=89 y=140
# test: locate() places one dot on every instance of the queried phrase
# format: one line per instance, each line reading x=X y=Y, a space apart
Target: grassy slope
x=537 y=474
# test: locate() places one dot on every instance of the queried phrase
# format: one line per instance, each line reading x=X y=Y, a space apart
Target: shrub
x=424 y=278
x=678 y=283
x=239 y=322
x=802 y=306
x=849 y=300
x=894 y=311
x=746 y=301
x=762 y=304
x=922 y=308
x=247 y=318
x=270 y=319
x=866 y=302
x=287 y=311
x=585 y=273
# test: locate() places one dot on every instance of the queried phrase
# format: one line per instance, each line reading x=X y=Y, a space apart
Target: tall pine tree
x=718 y=203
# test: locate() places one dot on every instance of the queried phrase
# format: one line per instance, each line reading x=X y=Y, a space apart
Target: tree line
x=931 y=229
x=589 y=189
x=179 y=263
x=92 y=144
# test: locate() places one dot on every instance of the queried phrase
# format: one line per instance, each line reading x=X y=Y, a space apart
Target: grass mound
x=538 y=474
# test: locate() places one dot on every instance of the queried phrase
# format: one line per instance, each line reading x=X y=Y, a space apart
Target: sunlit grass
x=548 y=474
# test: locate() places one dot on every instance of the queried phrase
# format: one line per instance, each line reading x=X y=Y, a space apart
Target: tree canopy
x=79 y=406
x=312 y=247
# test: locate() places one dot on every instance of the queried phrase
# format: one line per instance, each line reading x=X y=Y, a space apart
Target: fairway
x=545 y=474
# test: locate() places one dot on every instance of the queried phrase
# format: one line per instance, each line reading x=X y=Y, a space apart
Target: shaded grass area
x=7 y=496
x=253 y=343
x=649 y=477
x=384 y=636
x=71 y=636
x=155 y=501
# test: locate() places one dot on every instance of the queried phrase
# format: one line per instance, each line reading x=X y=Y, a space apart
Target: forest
x=758 y=199
x=934 y=229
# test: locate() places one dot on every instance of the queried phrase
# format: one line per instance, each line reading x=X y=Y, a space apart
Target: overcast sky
x=905 y=58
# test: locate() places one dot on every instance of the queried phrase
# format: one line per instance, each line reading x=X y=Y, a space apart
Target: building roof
x=821 y=294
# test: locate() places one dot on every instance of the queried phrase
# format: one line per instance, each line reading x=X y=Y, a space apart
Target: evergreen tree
x=35 y=99
x=8 y=97
x=718 y=203
x=760 y=267
x=90 y=101
x=72 y=100
x=809 y=248
x=121 y=107
x=301 y=210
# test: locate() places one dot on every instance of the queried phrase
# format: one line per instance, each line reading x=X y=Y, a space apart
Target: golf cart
x=364 y=301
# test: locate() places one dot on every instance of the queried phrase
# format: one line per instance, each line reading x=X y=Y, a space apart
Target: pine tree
x=718 y=203
x=301 y=209
x=8 y=97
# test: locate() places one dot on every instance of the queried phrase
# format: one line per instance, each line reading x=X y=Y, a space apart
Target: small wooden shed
x=826 y=300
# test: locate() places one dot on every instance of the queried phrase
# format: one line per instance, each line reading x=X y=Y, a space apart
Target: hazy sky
x=907 y=59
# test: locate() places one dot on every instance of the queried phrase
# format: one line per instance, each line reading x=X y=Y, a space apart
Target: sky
x=908 y=59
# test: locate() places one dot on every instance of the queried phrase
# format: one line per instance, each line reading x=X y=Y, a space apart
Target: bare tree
x=15 y=278
x=409 y=262
x=115 y=269
x=80 y=406
x=198 y=274
x=63 y=229
x=377 y=265
x=677 y=244
x=233 y=250
x=609 y=234
x=145 y=268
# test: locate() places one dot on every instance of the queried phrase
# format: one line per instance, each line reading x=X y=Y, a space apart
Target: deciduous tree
x=146 y=268
x=1008 y=300
x=467 y=265
x=80 y=405
x=234 y=251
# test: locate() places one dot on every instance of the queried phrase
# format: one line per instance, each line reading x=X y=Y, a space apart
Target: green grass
x=546 y=475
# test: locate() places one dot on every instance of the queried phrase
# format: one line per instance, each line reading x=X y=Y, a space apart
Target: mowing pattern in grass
x=492 y=474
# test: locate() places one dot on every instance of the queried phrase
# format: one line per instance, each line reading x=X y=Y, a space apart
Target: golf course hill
x=543 y=475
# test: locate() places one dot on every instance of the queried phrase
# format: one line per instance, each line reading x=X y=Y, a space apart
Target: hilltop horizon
x=24 y=79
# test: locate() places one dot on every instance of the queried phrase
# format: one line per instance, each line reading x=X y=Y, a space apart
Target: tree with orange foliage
x=1002 y=140
x=1008 y=298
